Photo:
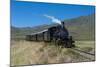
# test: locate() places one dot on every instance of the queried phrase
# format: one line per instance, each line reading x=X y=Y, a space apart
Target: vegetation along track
x=87 y=55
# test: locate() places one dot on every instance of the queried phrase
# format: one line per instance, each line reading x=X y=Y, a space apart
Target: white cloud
x=84 y=2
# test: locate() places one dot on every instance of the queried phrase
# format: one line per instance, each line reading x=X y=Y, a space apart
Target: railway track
x=90 y=56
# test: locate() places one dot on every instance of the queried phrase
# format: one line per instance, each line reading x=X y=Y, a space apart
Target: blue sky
x=29 y=14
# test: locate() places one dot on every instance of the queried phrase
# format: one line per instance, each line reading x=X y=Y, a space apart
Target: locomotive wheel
x=73 y=45
x=58 y=42
x=68 y=44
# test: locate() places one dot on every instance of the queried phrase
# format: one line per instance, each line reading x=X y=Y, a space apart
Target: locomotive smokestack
x=63 y=24
x=64 y=28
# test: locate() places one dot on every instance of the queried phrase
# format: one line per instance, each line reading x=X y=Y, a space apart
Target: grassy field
x=88 y=46
x=26 y=52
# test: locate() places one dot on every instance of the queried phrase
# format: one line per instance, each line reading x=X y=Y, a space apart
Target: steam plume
x=55 y=20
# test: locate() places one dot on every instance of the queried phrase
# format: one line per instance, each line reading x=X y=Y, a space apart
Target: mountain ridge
x=81 y=28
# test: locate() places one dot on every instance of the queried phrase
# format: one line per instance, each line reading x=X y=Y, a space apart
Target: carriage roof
x=43 y=30
x=38 y=32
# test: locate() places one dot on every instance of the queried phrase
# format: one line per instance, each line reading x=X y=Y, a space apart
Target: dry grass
x=26 y=53
x=88 y=46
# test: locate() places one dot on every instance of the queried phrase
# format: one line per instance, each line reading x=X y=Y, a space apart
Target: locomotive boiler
x=57 y=34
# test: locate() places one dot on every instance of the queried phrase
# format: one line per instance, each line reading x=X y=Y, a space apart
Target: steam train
x=57 y=34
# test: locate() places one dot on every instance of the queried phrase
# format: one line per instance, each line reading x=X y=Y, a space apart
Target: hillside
x=81 y=28
x=19 y=33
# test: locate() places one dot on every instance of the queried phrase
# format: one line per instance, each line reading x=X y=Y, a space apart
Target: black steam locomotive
x=57 y=34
